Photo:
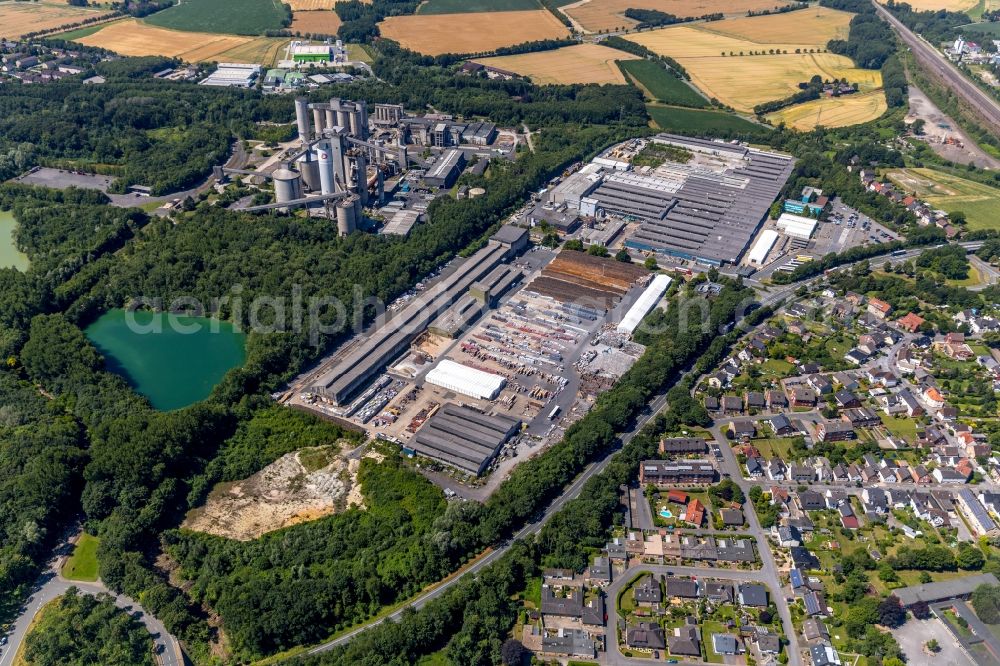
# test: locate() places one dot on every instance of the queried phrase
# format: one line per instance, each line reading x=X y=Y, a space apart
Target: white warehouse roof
x=465 y=380
x=797 y=226
x=649 y=298
x=762 y=247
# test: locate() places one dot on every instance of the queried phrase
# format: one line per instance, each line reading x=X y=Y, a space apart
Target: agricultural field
x=673 y=118
x=459 y=6
x=599 y=15
x=659 y=85
x=979 y=202
x=950 y=5
x=239 y=17
x=134 y=38
x=471 y=33
x=581 y=63
x=19 y=18
x=310 y=5
x=832 y=111
x=743 y=81
x=316 y=22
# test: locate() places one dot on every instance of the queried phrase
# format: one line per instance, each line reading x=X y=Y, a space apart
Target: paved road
x=933 y=59
x=613 y=655
x=51 y=586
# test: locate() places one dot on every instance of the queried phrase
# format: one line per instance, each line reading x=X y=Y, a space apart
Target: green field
x=979 y=202
x=659 y=83
x=673 y=118
x=468 y=6
x=82 y=564
x=234 y=17
x=989 y=28
x=80 y=33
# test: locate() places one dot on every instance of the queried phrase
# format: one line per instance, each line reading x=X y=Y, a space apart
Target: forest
x=80 y=629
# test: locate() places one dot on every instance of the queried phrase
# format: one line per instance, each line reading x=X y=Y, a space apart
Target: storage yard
x=434 y=34
x=514 y=347
x=581 y=63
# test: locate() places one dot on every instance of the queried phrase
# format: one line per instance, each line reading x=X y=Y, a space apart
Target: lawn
x=776 y=367
x=469 y=6
x=975 y=279
x=979 y=202
x=82 y=564
x=709 y=627
x=661 y=85
x=677 y=119
x=439 y=658
x=770 y=447
x=236 y=17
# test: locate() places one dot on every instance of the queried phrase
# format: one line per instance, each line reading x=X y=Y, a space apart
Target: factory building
x=443 y=133
x=797 y=226
x=630 y=195
x=465 y=380
x=306 y=53
x=232 y=75
x=482 y=294
x=387 y=114
x=401 y=222
x=644 y=304
x=464 y=438
x=762 y=247
x=388 y=339
x=446 y=170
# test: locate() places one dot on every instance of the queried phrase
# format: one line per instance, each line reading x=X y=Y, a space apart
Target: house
x=846 y=381
x=855 y=357
x=711 y=403
x=732 y=404
x=878 y=308
x=568 y=642
x=802 y=397
x=753 y=594
x=682 y=588
x=686 y=640
x=910 y=322
x=910 y=403
x=781 y=425
x=775 y=400
x=786 y=536
x=755 y=400
x=599 y=573
x=767 y=642
x=946 y=475
x=735 y=550
x=647 y=591
x=811 y=500
x=820 y=384
x=724 y=644
x=680 y=472
x=695 y=513
x=803 y=558
x=562 y=596
x=875 y=501
x=814 y=630
x=978 y=517
x=677 y=496
x=732 y=517
x=861 y=418
x=833 y=431
x=719 y=592
x=801 y=473
x=814 y=605
x=824 y=655
x=616 y=550
x=846 y=400
x=646 y=636
x=742 y=429
x=755 y=468
x=776 y=469
x=683 y=445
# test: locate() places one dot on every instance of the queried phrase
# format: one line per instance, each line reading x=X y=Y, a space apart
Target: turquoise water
x=666 y=513
x=172 y=368
x=10 y=256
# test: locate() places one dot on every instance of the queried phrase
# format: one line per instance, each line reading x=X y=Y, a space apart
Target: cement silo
x=326 y=182
x=309 y=168
x=318 y=120
x=302 y=118
x=362 y=107
x=346 y=216
x=287 y=185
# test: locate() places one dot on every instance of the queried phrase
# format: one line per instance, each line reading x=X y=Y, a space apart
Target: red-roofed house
x=695 y=512
x=910 y=322
x=677 y=497
x=878 y=308
x=933 y=397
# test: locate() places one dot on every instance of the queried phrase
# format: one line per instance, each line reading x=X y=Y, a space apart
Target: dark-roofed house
x=755 y=400
x=825 y=655
x=686 y=639
x=753 y=594
x=682 y=588
x=645 y=636
x=767 y=642
x=846 y=399
x=742 y=429
x=776 y=400
x=735 y=550
x=599 y=573
x=803 y=558
x=833 y=431
x=569 y=642
x=731 y=404
x=647 y=591
x=563 y=598
x=724 y=644
x=719 y=592
x=813 y=629
x=861 y=418
x=780 y=425
x=670 y=472
x=683 y=445
x=810 y=500
x=732 y=517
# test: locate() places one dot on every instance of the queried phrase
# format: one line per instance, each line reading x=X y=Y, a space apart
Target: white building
x=797 y=226
x=646 y=302
x=232 y=75
x=762 y=247
x=465 y=380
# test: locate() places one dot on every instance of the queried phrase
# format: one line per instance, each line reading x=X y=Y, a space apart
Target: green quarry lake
x=10 y=256
x=169 y=366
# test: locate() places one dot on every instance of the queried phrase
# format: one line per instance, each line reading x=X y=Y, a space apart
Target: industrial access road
x=934 y=60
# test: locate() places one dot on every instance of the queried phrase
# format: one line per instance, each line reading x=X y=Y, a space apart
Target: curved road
x=942 y=68
x=51 y=585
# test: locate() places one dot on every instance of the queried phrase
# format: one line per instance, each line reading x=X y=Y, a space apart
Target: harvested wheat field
x=832 y=111
x=316 y=22
x=310 y=5
x=296 y=488
x=434 y=34
x=743 y=81
x=816 y=25
x=19 y=18
x=934 y=5
x=597 y=15
x=582 y=63
x=134 y=38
